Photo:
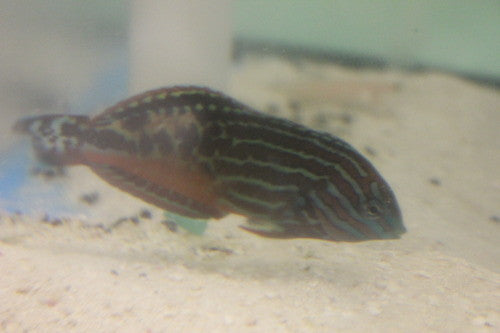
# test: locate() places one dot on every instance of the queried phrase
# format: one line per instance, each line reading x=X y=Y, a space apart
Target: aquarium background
x=412 y=85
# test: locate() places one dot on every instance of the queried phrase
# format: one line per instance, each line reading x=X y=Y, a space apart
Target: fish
x=201 y=154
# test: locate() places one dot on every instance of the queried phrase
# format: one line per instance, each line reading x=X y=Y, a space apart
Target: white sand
x=442 y=276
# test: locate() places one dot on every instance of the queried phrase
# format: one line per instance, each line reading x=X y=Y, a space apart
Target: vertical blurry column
x=180 y=42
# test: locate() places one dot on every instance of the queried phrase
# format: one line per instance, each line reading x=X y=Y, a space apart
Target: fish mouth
x=397 y=228
x=396 y=221
x=397 y=233
x=390 y=235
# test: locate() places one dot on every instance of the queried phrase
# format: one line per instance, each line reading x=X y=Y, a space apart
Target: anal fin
x=155 y=194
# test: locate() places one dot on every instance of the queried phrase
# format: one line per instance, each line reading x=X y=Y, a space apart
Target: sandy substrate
x=435 y=139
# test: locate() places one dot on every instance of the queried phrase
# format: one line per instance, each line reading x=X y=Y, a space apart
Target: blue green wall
x=459 y=35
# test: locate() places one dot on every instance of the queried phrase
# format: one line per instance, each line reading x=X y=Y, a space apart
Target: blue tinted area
x=19 y=190
x=194 y=226
x=14 y=170
x=109 y=86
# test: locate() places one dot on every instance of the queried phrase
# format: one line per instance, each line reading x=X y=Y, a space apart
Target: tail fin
x=56 y=139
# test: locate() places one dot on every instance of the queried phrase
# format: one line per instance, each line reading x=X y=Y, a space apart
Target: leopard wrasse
x=198 y=153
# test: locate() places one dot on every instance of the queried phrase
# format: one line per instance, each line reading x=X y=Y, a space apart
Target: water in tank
x=223 y=166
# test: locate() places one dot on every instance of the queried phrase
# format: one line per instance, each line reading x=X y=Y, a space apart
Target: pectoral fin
x=264 y=228
x=271 y=229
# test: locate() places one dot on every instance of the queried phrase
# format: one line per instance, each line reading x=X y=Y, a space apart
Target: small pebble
x=495 y=218
x=52 y=222
x=90 y=198
x=119 y=222
x=435 y=181
x=218 y=249
x=172 y=226
x=346 y=118
x=370 y=151
x=145 y=214
x=481 y=321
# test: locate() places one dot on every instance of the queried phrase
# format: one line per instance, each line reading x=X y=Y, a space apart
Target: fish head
x=357 y=206
x=379 y=211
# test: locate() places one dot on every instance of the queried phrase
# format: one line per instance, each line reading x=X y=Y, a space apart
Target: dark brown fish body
x=201 y=154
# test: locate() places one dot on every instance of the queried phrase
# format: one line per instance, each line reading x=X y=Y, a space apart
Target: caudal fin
x=56 y=139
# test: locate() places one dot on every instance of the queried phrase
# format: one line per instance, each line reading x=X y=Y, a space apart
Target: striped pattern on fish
x=201 y=154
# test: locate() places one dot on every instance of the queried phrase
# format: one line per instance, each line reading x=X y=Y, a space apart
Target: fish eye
x=373 y=208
